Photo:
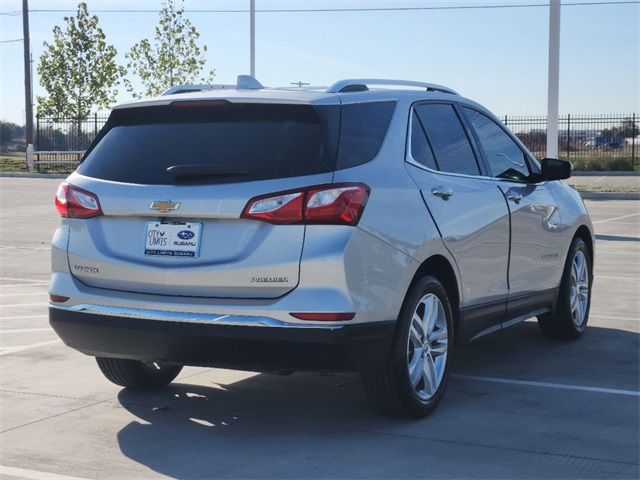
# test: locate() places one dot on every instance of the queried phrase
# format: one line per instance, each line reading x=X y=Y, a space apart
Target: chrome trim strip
x=190 y=317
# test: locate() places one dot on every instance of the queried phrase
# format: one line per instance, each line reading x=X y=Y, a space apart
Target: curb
x=34 y=175
x=609 y=195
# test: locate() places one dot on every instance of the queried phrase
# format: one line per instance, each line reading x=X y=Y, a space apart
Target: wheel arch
x=440 y=267
x=584 y=234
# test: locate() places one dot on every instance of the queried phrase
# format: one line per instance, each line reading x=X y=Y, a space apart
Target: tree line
x=79 y=72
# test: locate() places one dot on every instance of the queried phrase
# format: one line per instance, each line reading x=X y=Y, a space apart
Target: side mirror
x=556 y=169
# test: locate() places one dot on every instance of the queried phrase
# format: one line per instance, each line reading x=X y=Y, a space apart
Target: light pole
x=28 y=98
x=553 y=79
x=252 y=27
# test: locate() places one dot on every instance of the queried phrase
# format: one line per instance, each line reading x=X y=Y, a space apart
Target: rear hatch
x=172 y=182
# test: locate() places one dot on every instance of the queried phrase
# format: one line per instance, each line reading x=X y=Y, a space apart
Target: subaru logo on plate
x=186 y=234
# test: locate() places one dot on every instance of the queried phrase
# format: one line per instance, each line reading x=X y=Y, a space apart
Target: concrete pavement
x=518 y=405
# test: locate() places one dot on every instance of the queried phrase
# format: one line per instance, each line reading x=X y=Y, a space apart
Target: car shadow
x=311 y=425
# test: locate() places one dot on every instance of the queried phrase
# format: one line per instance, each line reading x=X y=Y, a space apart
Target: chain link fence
x=591 y=142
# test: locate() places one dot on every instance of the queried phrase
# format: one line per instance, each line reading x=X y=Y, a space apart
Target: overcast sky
x=497 y=56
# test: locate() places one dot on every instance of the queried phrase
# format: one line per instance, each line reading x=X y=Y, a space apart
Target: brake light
x=332 y=204
x=74 y=202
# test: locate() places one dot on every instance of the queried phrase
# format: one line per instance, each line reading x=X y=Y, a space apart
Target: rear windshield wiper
x=202 y=172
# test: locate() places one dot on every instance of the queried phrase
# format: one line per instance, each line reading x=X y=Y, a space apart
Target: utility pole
x=28 y=105
x=300 y=84
x=252 y=27
x=553 y=79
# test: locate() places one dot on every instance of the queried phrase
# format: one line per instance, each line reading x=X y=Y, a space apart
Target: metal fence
x=67 y=134
x=591 y=142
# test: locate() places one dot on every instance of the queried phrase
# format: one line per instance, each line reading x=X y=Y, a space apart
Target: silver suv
x=349 y=228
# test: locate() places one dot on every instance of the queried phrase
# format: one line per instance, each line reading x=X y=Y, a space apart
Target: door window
x=420 y=148
x=504 y=157
x=451 y=147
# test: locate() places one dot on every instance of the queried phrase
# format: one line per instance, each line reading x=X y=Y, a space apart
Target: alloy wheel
x=427 y=346
x=579 y=296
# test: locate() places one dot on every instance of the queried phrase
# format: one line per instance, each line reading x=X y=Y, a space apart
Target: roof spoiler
x=244 y=82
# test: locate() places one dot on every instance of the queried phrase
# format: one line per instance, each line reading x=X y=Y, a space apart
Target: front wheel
x=412 y=381
x=571 y=313
x=138 y=375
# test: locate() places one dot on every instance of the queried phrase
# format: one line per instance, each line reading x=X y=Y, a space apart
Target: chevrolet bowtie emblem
x=164 y=205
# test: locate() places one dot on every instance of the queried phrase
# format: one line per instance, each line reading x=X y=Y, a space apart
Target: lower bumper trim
x=256 y=348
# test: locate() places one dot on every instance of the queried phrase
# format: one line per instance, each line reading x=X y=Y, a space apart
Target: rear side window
x=262 y=140
x=363 y=127
x=420 y=148
x=448 y=138
x=504 y=157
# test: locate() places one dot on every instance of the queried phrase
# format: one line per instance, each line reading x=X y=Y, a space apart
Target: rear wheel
x=138 y=375
x=412 y=381
x=571 y=313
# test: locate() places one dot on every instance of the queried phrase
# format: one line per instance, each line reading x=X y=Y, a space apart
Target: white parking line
x=24 y=305
x=606 y=220
x=559 y=386
x=598 y=252
x=26 y=330
x=608 y=317
x=30 y=294
x=617 y=278
x=14 y=279
x=34 y=474
x=21 y=348
x=20 y=317
x=43 y=284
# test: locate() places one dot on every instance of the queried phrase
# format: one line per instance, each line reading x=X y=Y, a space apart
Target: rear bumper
x=262 y=346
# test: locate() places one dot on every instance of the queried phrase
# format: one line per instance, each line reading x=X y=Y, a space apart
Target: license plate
x=172 y=239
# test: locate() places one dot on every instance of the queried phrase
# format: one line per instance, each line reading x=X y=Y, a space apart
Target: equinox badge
x=164 y=205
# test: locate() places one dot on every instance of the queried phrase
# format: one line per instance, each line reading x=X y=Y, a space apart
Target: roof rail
x=244 y=82
x=360 y=84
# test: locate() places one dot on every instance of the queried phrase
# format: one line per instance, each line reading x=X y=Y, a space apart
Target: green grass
x=600 y=164
x=13 y=162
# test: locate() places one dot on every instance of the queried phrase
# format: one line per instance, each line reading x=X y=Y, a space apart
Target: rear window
x=265 y=141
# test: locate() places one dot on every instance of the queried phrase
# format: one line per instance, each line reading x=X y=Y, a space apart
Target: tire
x=389 y=386
x=566 y=322
x=138 y=375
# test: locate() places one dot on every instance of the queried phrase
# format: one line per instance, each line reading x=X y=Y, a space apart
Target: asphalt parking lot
x=518 y=405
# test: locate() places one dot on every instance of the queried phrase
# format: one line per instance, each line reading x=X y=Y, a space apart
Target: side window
x=420 y=148
x=451 y=147
x=363 y=127
x=504 y=157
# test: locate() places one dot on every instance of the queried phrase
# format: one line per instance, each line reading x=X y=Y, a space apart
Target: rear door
x=469 y=210
x=172 y=182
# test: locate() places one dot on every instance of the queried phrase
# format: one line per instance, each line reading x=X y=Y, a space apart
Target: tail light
x=332 y=204
x=74 y=202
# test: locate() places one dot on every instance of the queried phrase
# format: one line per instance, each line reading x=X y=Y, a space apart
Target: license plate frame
x=172 y=239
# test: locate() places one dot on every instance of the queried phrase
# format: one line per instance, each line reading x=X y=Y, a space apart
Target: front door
x=535 y=264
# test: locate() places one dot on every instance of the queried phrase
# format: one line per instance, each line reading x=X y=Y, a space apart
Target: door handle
x=514 y=197
x=442 y=192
